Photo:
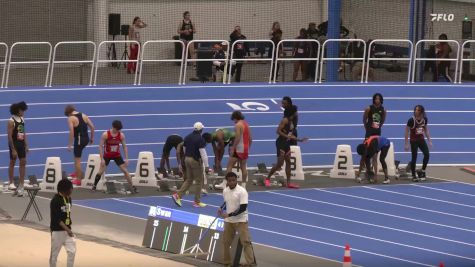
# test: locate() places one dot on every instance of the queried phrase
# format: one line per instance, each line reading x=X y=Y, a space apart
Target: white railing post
x=4 y=63
x=464 y=59
x=411 y=50
x=29 y=62
x=343 y=58
x=91 y=61
x=162 y=60
x=316 y=59
x=249 y=59
x=98 y=56
x=416 y=59
x=192 y=42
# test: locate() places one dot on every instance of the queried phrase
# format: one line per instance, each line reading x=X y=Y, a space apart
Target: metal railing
x=233 y=59
x=316 y=59
x=343 y=58
x=462 y=60
x=203 y=59
x=98 y=60
x=29 y=62
x=162 y=60
x=92 y=61
x=417 y=59
x=4 y=63
x=411 y=50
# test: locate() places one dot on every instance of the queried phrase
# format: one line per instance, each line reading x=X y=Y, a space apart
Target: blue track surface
x=398 y=225
x=330 y=114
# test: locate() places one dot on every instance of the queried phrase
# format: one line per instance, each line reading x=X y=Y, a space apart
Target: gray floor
x=120 y=231
x=169 y=73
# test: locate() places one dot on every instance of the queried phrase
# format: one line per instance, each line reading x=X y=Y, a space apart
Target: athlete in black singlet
x=374 y=116
x=17 y=144
x=78 y=124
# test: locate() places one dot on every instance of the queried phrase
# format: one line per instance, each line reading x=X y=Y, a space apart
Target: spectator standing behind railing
x=240 y=50
x=277 y=37
x=301 y=50
x=275 y=33
x=187 y=29
x=442 y=50
x=312 y=33
x=219 y=63
x=134 y=35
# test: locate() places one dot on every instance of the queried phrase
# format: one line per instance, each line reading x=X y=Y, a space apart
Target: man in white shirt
x=235 y=219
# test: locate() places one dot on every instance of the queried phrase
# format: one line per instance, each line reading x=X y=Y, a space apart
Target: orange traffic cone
x=441 y=264
x=347 y=257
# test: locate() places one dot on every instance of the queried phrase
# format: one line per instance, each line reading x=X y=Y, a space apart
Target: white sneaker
x=204 y=191
x=220 y=186
x=20 y=191
x=386 y=181
x=11 y=187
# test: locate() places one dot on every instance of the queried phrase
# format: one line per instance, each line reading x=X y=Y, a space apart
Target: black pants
x=382 y=159
x=441 y=69
x=422 y=145
x=237 y=70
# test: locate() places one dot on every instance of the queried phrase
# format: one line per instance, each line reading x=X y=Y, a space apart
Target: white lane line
x=374 y=212
x=313 y=226
x=421 y=197
x=444 y=190
x=395 y=204
x=253 y=126
x=245 y=112
x=364 y=223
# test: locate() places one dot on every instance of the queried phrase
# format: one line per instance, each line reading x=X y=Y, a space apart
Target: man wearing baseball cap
x=195 y=156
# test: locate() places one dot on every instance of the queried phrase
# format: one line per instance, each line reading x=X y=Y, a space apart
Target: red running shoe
x=293 y=186
x=76 y=182
x=267 y=182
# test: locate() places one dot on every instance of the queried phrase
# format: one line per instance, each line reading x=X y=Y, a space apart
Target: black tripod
x=111 y=53
x=125 y=54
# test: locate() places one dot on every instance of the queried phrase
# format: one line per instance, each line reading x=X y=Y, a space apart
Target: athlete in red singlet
x=239 y=151
x=109 y=149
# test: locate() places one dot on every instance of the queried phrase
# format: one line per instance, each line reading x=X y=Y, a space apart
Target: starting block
x=51 y=175
x=343 y=163
x=296 y=169
x=92 y=168
x=145 y=170
x=262 y=168
x=117 y=187
x=278 y=181
x=166 y=185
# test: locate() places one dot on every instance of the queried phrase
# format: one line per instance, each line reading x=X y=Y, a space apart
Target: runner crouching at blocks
x=369 y=150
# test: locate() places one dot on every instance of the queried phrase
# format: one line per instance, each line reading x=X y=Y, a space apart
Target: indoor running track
x=330 y=115
x=393 y=225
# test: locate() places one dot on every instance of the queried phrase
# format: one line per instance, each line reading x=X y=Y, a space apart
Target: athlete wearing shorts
x=78 y=124
x=17 y=145
x=239 y=151
x=369 y=150
x=374 y=116
x=219 y=139
x=283 y=142
x=109 y=149
x=171 y=142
